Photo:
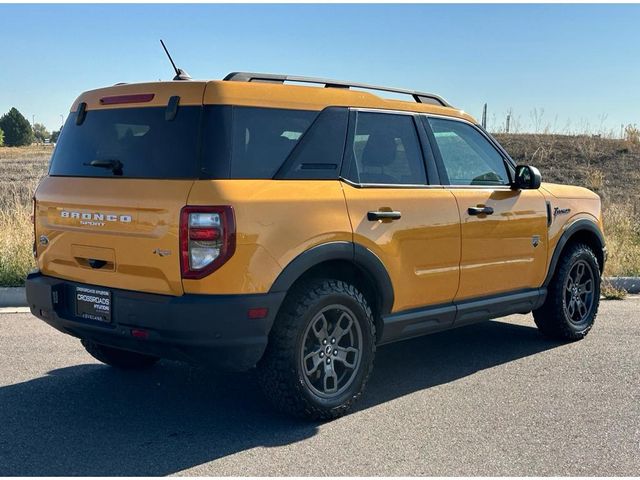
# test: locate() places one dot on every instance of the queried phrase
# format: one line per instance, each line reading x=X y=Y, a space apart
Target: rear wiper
x=114 y=165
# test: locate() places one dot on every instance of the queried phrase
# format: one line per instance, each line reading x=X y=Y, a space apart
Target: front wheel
x=320 y=351
x=573 y=296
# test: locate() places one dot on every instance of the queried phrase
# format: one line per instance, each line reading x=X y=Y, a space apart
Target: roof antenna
x=180 y=74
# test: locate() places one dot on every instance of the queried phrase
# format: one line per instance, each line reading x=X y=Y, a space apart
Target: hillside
x=609 y=167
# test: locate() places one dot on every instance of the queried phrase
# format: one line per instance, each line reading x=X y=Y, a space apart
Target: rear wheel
x=320 y=351
x=118 y=358
x=573 y=296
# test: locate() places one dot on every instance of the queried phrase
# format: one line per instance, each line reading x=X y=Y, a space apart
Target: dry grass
x=20 y=171
x=632 y=134
x=622 y=231
x=16 y=243
x=610 y=292
x=611 y=166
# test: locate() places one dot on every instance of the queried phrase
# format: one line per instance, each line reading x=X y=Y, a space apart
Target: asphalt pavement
x=489 y=399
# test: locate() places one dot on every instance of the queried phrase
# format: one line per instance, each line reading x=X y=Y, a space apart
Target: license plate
x=93 y=304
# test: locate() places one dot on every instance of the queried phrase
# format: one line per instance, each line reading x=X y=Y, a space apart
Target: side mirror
x=527 y=178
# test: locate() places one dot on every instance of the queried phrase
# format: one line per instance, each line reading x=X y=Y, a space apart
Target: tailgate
x=120 y=233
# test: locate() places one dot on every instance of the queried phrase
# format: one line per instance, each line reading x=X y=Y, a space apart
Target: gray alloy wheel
x=578 y=292
x=331 y=351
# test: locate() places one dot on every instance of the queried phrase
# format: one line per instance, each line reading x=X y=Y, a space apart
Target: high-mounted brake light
x=207 y=239
x=133 y=98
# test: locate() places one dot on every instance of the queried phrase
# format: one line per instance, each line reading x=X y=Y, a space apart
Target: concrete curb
x=630 y=284
x=13 y=297
x=16 y=296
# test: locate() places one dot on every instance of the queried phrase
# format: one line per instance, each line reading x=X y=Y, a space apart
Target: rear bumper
x=211 y=329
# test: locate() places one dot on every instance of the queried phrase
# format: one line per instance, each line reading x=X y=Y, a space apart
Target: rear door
x=504 y=231
x=412 y=227
x=108 y=212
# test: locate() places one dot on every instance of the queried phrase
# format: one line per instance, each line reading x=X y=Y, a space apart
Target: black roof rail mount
x=420 y=97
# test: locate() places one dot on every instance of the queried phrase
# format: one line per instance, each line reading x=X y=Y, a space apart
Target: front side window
x=384 y=149
x=468 y=157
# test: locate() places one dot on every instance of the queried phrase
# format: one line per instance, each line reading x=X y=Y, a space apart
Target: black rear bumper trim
x=210 y=329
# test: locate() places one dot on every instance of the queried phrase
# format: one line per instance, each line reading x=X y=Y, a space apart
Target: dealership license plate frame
x=93 y=304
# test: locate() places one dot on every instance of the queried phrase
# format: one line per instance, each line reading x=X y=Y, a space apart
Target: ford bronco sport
x=293 y=224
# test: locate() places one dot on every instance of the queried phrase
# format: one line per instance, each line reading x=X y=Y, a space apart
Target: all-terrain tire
x=554 y=317
x=282 y=372
x=118 y=358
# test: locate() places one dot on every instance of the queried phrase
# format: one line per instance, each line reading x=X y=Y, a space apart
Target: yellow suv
x=293 y=224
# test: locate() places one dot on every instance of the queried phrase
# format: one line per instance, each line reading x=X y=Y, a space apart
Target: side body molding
x=424 y=321
x=365 y=261
x=576 y=227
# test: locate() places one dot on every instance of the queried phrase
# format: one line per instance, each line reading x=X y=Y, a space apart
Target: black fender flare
x=360 y=256
x=576 y=227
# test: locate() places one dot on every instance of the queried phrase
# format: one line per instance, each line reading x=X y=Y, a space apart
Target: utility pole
x=33 y=120
x=508 y=121
x=484 y=116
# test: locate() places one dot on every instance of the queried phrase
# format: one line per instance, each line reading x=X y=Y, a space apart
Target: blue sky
x=577 y=63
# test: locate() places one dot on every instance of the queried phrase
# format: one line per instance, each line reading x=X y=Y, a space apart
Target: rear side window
x=318 y=154
x=468 y=157
x=384 y=149
x=145 y=144
x=262 y=138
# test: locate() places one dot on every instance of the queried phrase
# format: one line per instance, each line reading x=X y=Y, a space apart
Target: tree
x=17 y=129
x=40 y=132
x=1 y=137
x=54 y=136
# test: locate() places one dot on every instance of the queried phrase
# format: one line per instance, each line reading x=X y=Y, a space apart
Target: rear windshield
x=141 y=139
x=214 y=142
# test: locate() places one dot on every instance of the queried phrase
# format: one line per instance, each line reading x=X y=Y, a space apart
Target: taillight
x=207 y=239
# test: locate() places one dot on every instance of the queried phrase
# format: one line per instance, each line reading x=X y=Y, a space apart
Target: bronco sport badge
x=95 y=219
x=560 y=211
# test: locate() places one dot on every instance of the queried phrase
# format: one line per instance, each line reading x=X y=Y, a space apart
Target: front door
x=503 y=231
x=412 y=227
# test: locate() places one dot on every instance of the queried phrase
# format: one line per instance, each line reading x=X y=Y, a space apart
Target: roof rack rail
x=419 y=97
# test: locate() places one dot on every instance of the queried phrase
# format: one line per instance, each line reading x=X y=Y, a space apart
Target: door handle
x=382 y=215
x=480 y=210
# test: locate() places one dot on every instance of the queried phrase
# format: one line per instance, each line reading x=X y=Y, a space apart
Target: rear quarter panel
x=276 y=220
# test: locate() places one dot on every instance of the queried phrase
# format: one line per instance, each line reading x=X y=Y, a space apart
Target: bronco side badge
x=560 y=211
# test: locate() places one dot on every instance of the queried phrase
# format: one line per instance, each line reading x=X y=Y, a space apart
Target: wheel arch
x=344 y=261
x=582 y=231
